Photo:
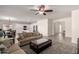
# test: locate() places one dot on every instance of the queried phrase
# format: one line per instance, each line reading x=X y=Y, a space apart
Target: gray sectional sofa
x=12 y=48
x=27 y=37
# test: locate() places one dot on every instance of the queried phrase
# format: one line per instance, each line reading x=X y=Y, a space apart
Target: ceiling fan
x=42 y=10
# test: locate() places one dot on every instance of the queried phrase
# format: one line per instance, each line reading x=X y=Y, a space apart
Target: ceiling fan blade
x=48 y=11
x=36 y=13
x=34 y=10
x=44 y=13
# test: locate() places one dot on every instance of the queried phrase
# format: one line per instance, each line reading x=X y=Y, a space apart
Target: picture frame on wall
x=24 y=27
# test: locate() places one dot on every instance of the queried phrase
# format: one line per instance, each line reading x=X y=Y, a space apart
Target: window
x=35 y=28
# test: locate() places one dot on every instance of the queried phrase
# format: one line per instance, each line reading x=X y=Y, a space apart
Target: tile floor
x=60 y=45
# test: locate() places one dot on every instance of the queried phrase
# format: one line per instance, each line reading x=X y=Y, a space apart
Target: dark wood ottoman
x=39 y=47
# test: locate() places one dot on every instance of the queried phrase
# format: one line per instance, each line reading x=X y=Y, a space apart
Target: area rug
x=56 y=48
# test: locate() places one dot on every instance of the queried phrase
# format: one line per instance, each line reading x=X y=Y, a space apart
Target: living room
x=43 y=29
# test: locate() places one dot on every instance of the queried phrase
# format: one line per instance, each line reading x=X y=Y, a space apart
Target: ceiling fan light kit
x=42 y=10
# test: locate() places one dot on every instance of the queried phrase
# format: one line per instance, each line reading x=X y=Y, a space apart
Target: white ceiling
x=22 y=13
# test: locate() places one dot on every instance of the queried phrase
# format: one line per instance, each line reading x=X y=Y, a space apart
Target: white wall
x=46 y=26
x=19 y=27
x=75 y=25
x=57 y=27
x=68 y=25
x=42 y=26
x=15 y=26
x=3 y=23
x=50 y=27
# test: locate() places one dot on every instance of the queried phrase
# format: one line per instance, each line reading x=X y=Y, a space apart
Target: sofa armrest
x=15 y=48
x=20 y=51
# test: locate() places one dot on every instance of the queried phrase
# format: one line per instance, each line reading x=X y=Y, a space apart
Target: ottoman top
x=39 y=41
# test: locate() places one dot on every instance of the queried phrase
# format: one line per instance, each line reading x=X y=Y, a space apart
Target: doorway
x=59 y=28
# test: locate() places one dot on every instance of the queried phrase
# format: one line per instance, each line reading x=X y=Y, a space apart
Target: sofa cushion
x=24 y=34
x=36 y=34
x=21 y=36
x=7 y=43
x=13 y=48
x=29 y=39
x=28 y=36
x=20 y=51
